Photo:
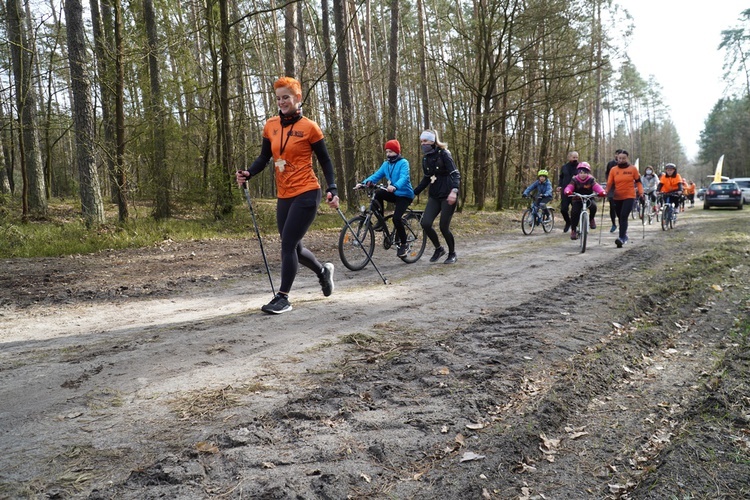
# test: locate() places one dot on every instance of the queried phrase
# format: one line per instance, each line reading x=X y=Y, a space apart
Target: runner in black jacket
x=443 y=179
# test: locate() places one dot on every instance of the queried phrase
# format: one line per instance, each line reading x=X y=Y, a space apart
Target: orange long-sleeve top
x=624 y=181
x=669 y=184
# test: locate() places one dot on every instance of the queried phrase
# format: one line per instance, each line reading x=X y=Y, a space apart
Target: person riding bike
x=582 y=183
x=544 y=192
x=649 y=181
x=395 y=169
x=670 y=185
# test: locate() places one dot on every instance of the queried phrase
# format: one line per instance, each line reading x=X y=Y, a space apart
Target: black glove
x=370 y=184
x=525 y=195
x=333 y=190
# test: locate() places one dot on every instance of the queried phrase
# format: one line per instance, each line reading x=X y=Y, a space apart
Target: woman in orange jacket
x=624 y=179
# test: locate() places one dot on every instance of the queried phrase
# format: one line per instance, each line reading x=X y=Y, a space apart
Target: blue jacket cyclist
x=543 y=188
x=395 y=169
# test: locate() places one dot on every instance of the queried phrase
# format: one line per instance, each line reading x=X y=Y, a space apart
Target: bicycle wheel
x=548 y=223
x=355 y=252
x=528 y=222
x=415 y=237
x=649 y=211
x=583 y=230
x=666 y=216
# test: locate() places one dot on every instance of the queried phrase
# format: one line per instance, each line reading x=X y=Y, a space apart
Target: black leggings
x=623 y=209
x=576 y=206
x=293 y=218
x=401 y=202
x=433 y=208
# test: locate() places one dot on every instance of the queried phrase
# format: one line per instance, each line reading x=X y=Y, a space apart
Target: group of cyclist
x=626 y=190
x=290 y=140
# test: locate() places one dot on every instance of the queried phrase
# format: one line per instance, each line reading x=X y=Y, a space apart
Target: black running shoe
x=451 y=258
x=439 y=252
x=618 y=242
x=402 y=251
x=279 y=304
x=326 y=279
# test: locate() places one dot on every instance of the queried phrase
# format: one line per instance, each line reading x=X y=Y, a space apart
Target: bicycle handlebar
x=583 y=196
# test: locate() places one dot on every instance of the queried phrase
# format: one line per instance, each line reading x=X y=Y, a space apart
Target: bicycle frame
x=364 y=235
x=583 y=219
x=533 y=216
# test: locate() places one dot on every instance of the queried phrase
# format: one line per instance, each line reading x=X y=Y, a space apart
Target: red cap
x=394 y=146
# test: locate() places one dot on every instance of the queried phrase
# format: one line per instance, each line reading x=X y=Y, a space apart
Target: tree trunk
x=34 y=200
x=290 y=39
x=83 y=116
x=335 y=143
x=339 y=17
x=120 y=176
x=422 y=54
x=393 y=73
x=227 y=160
x=157 y=114
x=102 y=26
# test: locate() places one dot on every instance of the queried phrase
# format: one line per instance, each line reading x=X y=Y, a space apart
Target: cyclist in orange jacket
x=670 y=185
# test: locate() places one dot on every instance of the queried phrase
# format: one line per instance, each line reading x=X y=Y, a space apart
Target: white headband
x=427 y=136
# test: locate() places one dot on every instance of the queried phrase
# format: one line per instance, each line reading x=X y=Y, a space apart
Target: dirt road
x=526 y=370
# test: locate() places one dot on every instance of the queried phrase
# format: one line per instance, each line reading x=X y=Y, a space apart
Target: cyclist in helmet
x=670 y=185
x=543 y=188
x=649 y=180
x=582 y=183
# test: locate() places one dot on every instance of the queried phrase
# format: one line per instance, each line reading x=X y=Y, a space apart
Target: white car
x=744 y=184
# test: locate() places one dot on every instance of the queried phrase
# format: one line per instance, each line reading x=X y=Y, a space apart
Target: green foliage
x=64 y=232
x=727 y=132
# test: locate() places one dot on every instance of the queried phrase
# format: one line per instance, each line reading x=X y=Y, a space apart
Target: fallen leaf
x=717 y=288
x=268 y=465
x=206 y=447
x=470 y=455
x=460 y=439
x=365 y=477
x=549 y=442
x=476 y=426
x=616 y=325
x=576 y=435
x=444 y=429
x=443 y=371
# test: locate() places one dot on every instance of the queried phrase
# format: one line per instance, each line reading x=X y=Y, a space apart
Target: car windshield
x=743 y=184
x=723 y=185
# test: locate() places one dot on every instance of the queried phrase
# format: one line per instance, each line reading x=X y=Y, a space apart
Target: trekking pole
x=257 y=233
x=385 y=281
x=601 y=223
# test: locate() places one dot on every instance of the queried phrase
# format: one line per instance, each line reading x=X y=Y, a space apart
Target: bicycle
x=668 y=211
x=355 y=250
x=534 y=216
x=646 y=209
x=583 y=219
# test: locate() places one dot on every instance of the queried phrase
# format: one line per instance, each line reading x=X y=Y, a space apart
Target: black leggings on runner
x=435 y=206
x=293 y=218
x=623 y=209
